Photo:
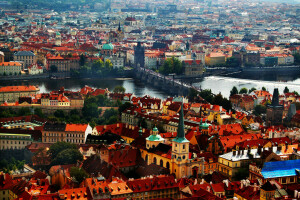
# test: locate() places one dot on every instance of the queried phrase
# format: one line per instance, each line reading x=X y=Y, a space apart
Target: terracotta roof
x=18 y=88
x=75 y=193
x=76 y=127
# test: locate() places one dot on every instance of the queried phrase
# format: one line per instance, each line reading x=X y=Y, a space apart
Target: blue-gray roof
x=24 y=53
x=281 y=169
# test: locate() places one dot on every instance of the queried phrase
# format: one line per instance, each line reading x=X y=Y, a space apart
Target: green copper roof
x=180 y=131
x=205 y=125
x=155 y=129
x=108 y=46
x=57 y=33
x=155 y=138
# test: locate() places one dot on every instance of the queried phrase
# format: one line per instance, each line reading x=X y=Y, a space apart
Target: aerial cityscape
x=135 y=100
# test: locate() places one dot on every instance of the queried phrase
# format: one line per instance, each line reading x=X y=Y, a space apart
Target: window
x=283 y=180
x=183 y=146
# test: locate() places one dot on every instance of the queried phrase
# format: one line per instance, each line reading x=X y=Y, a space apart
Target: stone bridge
x=165 y=83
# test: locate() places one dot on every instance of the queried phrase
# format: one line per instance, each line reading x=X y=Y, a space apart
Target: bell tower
x=180 y=149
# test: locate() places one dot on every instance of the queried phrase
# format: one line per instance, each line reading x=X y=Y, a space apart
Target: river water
x=215 y=83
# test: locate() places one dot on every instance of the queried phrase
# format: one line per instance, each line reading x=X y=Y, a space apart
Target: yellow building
x=14 y=141
x=215 y=59
x=12 y=93
x=230 y=163
x=10 y=68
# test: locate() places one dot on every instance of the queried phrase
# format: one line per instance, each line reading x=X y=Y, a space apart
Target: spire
x=180 y=130
x=275 y=99
x=180 y=138
x=200 y=125
x=140 y=131
x=119 y=28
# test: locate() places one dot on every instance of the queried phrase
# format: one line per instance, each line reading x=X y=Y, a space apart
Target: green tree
x=39 y=112
x=171 y=65
x=296 y=93
x=286 y=90
x=234 y=91
x=119 y=89
x=297 y=58
x=82 y=60
x=243 y=91
x=108 y=65
x=251 y=90
x=97 y=66
x=24 y=111
x=260 y=109
x=53 y=68
x=58 y=147
x=59 y=114
x=232 y=62
x=101 y=100
x=79 y=174
x=124 y=106
x=90 y=111
x=67 y=156
x=263 y=89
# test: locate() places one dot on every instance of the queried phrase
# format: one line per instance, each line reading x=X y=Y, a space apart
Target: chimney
x=233 y=153
x=118 y=125
x=295 y=193
x=255 y=187
x=208 y=189
x=241 y=184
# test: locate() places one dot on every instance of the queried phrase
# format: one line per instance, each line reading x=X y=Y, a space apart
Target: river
x=217 y=84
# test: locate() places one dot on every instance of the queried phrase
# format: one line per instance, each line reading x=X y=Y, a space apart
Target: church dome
x=108 y=46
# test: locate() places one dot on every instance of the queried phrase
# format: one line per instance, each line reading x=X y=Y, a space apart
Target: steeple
x=275 y=99
x=119 y=28
x=141 y=131
x=180 y=130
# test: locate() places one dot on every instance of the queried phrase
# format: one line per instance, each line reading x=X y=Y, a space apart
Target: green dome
x=155 y=129
x=205 y=125
x=155 y=138
x=108 y=46
x=57 y=33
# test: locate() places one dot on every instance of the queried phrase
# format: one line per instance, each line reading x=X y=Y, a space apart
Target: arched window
x=168 y=165
x=161 y=163
x=154 y=160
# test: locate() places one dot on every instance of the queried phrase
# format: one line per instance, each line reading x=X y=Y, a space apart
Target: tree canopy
x=58 y=147
x=234 y=91
x=79 y=174
x=243 y=91
x=67 y=156
x=170 y=66
x=119 y=89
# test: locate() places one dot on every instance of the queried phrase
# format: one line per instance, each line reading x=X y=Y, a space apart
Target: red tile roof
x=76 y=127
x=19 y=88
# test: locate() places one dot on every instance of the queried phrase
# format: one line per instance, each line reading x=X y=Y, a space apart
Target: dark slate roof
x=163 y=148
x=55 y=127
x=24 y=53
x=106 y=138
x=268 y=186
x=36 y=135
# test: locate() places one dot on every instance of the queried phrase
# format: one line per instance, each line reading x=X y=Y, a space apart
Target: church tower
x=180 y=150
x=139 y=55
x=58 y=39
x=275 y=110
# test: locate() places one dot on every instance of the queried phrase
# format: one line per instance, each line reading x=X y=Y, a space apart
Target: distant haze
x=283 y=1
